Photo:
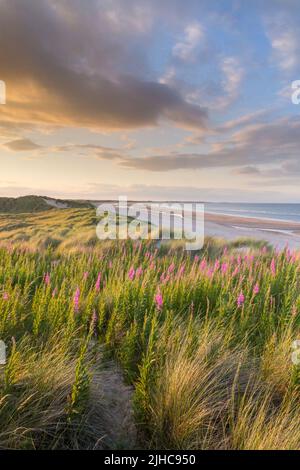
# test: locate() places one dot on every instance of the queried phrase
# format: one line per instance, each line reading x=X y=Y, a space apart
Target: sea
x=286 y=212
x=277 y=212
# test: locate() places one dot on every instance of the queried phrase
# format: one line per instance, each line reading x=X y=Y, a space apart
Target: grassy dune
x=190 y=351
x=56 y=228
x=32 y=204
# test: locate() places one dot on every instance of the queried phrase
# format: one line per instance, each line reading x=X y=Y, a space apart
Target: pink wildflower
x=181 y=270
x=131 y=273
x=224 y=268
x=273 y=267
x=98 y=283
x=236 y=271
x=217 y=265
x=203 y=264
x=85 y=275
x=139 y=271
x=256 y=289
x=210 y=272
x=158 y=300
x=240 y=299
x=196 y=258
x=47 y=279
x=5 y=296
x=171 y=268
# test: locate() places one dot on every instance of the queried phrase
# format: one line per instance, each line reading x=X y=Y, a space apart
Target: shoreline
x=239 y=216
x=276 y=232
x=253 y=222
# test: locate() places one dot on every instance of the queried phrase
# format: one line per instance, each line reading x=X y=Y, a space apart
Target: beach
x=278 y=233
x=275 y=231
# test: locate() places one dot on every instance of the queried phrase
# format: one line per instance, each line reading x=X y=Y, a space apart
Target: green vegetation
x=189 y=350
x=67 y=228
x=23 y=204
x=29 y=204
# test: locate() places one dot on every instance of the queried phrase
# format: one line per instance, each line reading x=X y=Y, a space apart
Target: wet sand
x=278 y=233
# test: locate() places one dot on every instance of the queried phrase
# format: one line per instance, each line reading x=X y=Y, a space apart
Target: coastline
x=276 y=232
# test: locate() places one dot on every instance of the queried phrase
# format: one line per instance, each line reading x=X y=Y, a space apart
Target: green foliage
x=194 y=361
x=80 y=389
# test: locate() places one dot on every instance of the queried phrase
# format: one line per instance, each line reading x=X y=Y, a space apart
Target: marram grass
x=203 y=342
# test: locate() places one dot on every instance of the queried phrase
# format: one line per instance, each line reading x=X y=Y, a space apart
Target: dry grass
x=61 y=229
x=36 y=389
x=209 y=395
x=260 y=425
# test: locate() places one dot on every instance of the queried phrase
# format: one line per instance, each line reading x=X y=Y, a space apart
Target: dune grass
x=203 y=340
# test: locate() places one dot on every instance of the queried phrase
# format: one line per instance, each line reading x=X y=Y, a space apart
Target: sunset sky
x=166 y=99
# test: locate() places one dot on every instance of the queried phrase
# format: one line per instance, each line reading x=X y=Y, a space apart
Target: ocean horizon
x=289 y=212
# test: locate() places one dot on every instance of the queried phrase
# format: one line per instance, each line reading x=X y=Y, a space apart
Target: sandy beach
x=278 y=233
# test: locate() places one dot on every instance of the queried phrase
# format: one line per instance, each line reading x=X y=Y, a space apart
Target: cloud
x=223 y=86
x=98 y=151
x=73 y=69
x=263 y=143
x=285 y=44
x=256 y=117
x=290 y=167
x=247 y=170
x=232 y=73
x=21 y=145
x=281 y=19
x=186 y=50
x=202 y=193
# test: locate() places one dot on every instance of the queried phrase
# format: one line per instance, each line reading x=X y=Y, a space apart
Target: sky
x=151 y=99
